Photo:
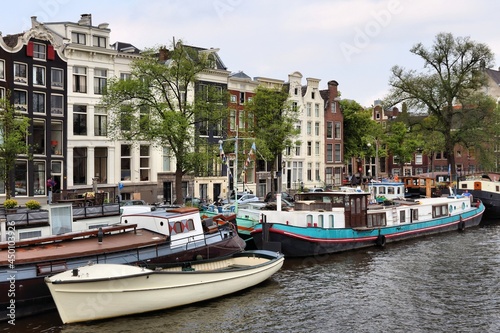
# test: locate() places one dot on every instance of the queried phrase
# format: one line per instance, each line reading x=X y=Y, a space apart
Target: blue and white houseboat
x=329 y=222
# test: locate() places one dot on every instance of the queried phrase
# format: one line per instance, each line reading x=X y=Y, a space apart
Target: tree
x=402 y=143
x=449 y=89
x=13 y=131
x=152 y=105
x=359 y=130
x=273 y=125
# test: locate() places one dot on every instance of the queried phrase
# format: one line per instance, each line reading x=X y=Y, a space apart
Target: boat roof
x=168 y=213
x=80 y=247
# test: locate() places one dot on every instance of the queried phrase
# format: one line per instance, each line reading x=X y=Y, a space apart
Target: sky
x=354 y=42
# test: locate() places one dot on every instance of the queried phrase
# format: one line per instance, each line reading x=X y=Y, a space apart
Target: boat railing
x=221 y=232
x=85 y=212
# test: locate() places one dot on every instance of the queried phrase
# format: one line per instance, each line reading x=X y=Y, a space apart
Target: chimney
x=164 y=55
x=85 y=19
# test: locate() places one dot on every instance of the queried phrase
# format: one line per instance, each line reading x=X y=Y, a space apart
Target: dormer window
x=100 y=41
x=313 y=95
x=78 y=38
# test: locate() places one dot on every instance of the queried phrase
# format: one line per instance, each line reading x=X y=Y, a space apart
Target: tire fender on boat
x=461 y=224
x=380 y=240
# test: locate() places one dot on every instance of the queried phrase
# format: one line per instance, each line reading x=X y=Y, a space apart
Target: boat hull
x=86 y=299
x=295 y=241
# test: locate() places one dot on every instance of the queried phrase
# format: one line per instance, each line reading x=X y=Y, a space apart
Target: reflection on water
x=444 y=283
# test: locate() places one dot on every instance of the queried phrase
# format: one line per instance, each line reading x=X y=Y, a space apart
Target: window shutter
x=50 y=52
x=29 y=49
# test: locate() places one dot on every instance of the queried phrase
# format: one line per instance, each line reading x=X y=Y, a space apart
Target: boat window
x=309 y=220
x=51 y=268
x=331 y=219
x=402 y=216
x=414 y=213
x=390 y=190
x=178 y=227
x=376 y=220
x=441 y=210
x=190 y=224
x=381 y=190
x=320 y=221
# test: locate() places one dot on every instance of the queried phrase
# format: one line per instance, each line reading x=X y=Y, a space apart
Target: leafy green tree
x=152 y=106
x=273 y=125
x=450 y=89
x=359 y=130
x=13 y=131
x=402 y=143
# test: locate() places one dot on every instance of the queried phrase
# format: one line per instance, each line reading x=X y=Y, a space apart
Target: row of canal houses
x=55 y=74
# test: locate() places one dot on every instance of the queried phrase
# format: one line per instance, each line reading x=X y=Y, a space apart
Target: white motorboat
x=101 y=291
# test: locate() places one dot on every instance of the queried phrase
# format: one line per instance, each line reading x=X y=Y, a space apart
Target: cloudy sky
x=355 y=42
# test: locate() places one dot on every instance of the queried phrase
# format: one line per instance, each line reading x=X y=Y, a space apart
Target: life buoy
x=380 y=240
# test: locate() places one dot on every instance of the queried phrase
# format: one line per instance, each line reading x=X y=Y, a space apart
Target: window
x=316 y=110
x=125 y=76
x=298 y=127
x=313 y=95
x=79 y=119
x=57 y=78
x=78 y=38
x=329 y=152
x=100 y=81
x=297 y=150
x=79 y=166
x=309 y=109
x=316 y=128
x=242 y=97
x=38 y=76
x=309 y=128
x=20 y=101
x=166 y=159
x=101 y=164
x=295 y=106
x=2 y=70
x=56 y=105
x=233 y=98
x=100 y=122
x=297 y=172
x=21 y=178
x=333 y=106
x=418 y=158
x=318 y=178
x=79 y=79
x=376 y=220
x=38 y=102
x=309 y=148
x=100 y=41
x=144 y=118
x=20 y=73
x=39 y=177
x=38 y=137
x=309 y=171
x=338 y=132
x=338 y=154
x=126 y=117
x=39 y=51
x=2 y=92
x=232 y=120
x=295 y=91
x=316 y=148
x=56 y=130
x=126 y=162
x=241 y=118
x=329 y=130
x=144 y=169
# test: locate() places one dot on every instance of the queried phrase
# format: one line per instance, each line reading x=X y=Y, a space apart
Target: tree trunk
x=179 y=198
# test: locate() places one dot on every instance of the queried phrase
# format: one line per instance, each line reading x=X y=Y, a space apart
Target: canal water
x=443 y=283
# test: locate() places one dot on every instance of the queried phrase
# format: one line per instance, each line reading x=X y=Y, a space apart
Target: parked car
x=244 y=198
x=133 y=203
x=316 y=189
x=270 y=197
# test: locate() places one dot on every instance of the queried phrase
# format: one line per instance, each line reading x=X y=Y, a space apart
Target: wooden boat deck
x=78 y=247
